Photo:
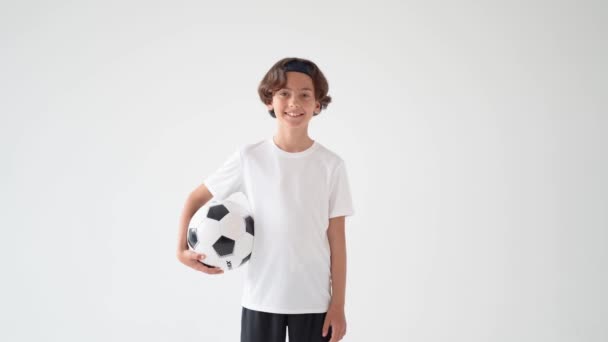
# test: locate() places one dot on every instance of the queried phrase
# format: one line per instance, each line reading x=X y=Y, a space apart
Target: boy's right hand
x=192 y=259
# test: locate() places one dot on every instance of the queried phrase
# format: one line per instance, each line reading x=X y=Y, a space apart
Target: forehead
x=297 y=80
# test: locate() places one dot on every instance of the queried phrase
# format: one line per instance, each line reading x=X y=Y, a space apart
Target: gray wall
x=474 y=134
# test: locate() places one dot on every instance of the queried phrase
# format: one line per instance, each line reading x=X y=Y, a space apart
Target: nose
x=293 y=102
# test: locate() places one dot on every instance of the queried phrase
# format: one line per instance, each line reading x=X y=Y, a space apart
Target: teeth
x=293 y=115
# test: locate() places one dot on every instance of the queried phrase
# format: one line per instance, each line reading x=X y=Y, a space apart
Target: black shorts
x=258 y=326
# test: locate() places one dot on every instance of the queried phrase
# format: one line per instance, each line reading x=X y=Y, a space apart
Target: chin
x=291 y=124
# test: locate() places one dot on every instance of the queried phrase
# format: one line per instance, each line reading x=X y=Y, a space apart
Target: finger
x=192 y=255
x=200 y=260
x=200 y=257
x=209 y=270
x=339 y=329
x=216 y=271
x=197 y=256
x=199 y=267
x=325 y=327
x=334 y=335
x=337 y=333
x=212 y=270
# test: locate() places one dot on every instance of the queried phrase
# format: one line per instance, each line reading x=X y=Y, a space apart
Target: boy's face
x=295 y=104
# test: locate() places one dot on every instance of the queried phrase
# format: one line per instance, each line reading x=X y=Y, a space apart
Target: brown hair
x=276 y=79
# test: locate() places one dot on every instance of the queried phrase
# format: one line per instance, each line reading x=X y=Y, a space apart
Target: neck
x=293 y=141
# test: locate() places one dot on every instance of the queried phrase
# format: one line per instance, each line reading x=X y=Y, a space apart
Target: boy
x=299 y=195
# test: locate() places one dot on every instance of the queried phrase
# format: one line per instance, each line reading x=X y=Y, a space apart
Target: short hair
x=276 y=79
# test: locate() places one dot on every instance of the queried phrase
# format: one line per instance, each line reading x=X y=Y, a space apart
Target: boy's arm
x=337 y=245
x=197 y=198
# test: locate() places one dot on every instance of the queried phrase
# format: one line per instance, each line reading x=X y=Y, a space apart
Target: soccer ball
x=223 y=232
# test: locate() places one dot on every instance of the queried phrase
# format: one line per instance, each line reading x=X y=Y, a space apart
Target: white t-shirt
x=291 y=196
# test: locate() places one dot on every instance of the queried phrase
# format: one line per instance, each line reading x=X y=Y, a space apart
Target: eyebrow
x=300 y=89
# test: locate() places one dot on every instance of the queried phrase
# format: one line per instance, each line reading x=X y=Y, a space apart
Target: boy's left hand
x=337 y=320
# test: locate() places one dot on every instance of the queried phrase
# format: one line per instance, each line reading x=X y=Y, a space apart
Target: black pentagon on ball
x=217 y=212
x=192 y=238
x=249 y=224
x=245 y=259
x=224 y=246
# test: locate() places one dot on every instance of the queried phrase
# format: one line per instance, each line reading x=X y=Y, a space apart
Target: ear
x=269 y=106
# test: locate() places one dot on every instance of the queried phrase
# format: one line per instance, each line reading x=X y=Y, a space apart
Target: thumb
x=196 y=256
x=325 y=327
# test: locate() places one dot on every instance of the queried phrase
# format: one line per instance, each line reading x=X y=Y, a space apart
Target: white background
x=474 y=134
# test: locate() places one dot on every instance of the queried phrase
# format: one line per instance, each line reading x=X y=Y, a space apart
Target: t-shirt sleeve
x=340 y=200
x=228 y=179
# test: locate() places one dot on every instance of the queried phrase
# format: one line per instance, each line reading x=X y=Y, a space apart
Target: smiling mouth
x=293 y=115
